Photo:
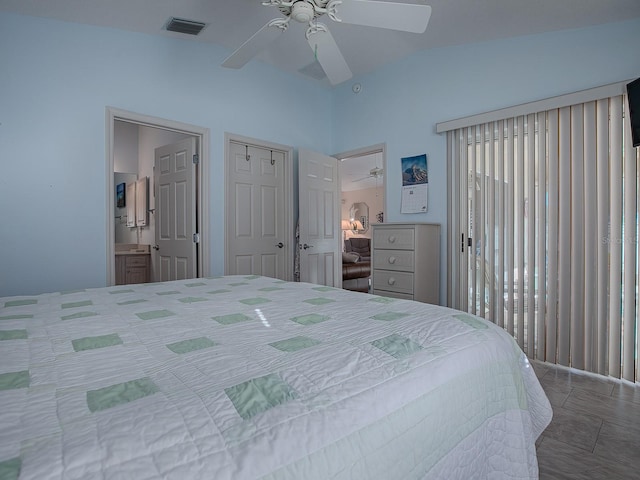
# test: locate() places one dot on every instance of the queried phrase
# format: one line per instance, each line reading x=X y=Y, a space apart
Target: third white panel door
x=320 y=234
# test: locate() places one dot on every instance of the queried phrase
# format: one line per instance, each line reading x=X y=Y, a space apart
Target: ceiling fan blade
x=328 y=54
x=254 y=45
x=405 y=17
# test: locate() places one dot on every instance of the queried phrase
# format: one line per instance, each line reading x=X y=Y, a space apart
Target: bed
x=245 y=377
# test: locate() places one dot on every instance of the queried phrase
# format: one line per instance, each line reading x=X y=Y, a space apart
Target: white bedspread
x=251 y=377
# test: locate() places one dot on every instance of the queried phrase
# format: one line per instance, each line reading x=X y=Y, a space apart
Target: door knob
x=279 y=244
x=156 y=247
x=305 y=246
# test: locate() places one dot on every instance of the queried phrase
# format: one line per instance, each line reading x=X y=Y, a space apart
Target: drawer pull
x=392 y=239
x=391 y=281
x=392 y=260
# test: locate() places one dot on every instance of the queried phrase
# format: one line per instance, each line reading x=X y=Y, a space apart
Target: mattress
x=245 y=377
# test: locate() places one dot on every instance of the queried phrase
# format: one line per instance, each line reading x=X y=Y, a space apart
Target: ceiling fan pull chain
x=247 y=157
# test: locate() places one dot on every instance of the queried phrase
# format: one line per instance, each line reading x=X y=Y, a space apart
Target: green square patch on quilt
x=231 y=318
x=20 y=303
x=389 y=316
x=13 y=335
x=132 y=302
x=91 y=343
x=186 y=346
x=396 y=345
x=294 y=344
x=255 y=301
x=259 y=394
x=154 y=314
x=472 y=321
x=318 y=301
x=192 y=299
x=324 y=289
x=382 y=300
x=84 y=303
x=16 y=317
x=120 y=393
x=78 y=315
x=310 y=319
x=14 y=380
x=10 y=469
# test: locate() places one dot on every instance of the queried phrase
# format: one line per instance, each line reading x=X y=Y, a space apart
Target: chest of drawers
x=406 y=261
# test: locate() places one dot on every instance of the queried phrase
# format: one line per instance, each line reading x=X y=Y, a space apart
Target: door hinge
x=196 y=159
x=196 y=238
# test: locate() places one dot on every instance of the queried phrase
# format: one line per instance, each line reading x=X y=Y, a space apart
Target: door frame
x=289 y=229
x=202 y=135
x=361 y=152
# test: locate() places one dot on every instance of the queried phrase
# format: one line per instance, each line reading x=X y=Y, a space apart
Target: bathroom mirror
x=125 y=207
x=359 y=212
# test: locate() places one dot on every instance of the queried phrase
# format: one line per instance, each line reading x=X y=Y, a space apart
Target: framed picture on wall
x=121 y=195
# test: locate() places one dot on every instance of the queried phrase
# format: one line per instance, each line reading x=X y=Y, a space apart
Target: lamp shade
x=345 y=225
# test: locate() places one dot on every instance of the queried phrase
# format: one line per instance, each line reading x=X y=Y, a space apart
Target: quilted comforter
x=250 y=377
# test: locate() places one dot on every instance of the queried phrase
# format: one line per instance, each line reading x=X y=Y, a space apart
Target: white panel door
x=320 y=235
x=256 y=212
x=174 y=181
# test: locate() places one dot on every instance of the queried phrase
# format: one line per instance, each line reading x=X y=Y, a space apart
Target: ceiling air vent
x=180 y=25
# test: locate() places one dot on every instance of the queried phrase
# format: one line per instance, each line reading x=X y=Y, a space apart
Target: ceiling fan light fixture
x=302 y=12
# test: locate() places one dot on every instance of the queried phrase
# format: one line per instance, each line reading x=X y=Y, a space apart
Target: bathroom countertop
x=132 y=249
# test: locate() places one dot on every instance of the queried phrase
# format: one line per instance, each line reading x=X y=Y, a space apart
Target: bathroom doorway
x=131 y=142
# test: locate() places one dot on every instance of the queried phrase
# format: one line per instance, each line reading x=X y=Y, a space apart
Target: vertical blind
x=544 y=212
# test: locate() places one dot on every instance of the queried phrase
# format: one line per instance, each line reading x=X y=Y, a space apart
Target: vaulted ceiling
x=230 y=22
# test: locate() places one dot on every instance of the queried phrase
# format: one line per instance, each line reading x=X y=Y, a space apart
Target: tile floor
x=595 y=431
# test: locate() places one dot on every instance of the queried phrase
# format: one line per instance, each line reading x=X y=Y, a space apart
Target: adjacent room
x=215 y=262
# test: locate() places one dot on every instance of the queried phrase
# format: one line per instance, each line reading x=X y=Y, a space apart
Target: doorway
x=362 y=182
x=156 y=131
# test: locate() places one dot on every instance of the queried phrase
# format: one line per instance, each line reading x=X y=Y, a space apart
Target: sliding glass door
x=544 y=221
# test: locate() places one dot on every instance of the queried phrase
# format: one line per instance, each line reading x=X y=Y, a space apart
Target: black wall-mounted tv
x=633 y=95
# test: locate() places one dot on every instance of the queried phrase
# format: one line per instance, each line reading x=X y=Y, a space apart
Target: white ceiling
x=231 y=22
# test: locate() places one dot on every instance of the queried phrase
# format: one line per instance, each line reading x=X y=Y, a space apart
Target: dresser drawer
x=387 y=293
x=395 y=238
x=398 y=260
x=393 y=281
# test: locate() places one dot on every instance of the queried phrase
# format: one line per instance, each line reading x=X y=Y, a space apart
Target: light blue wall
x=56 y=80
x=402 y=103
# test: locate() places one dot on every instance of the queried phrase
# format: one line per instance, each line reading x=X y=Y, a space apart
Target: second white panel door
x=256 y=220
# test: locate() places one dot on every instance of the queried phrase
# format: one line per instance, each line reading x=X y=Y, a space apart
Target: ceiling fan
x=395 y=16
x=373 y=173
